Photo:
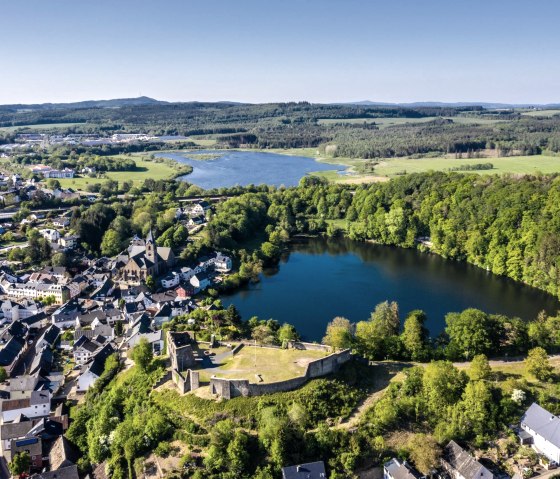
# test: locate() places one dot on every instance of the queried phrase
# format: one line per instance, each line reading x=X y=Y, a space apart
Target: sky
x=280 y=50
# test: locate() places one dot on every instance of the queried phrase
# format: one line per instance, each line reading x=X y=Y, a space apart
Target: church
x=145 y=259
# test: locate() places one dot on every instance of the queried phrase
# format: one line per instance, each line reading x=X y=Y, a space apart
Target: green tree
x=480 y=368
x=111 y=244
x=142 y=354
x=151 y=283
x=338 y=334
x=414 y=337
x=3 y=374
x=442 y=384
x=470 y=333
x=286 y=333
x=20 y=464
x=538 y=365
x=478 y=408
x=59 y=259
x=425 y=452
x=53 y=184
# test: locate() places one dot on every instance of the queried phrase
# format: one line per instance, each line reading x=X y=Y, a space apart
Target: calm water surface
x=322 y=279
x=243 y=168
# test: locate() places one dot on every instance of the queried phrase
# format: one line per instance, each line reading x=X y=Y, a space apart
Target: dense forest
x=295 y=125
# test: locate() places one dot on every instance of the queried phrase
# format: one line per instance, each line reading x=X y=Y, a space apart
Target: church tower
x=151 y=251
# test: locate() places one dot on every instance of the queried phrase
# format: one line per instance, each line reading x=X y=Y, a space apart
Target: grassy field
x=391 y=167
x=271 y=364
x=543 y=113
x=40 y=127
x=512 y=164
x=145 y=169
x=385 y=122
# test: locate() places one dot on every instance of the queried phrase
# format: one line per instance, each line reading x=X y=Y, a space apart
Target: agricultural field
x=512 y=164
x=270 y=365
x=541 y=113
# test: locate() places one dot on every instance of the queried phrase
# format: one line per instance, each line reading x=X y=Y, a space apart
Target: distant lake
x=243 y=168
x=321 y=279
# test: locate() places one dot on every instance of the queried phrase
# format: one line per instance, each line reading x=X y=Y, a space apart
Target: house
x=15 y=430
x=222 y=263
x=52 y=235
x=69 y=241
x=69 y=472
x=147 y=260
x=95 y=369
x=187 y=273
x=200 y=281
x=61 y=222
x=541 y=429
x=395 y=469
x=63 y=454
x=461 y=465
x=13 y=311
x=86 y=348
x=196 y=220
x=311 y=470
x=48 y=338
x=38 y=404
x=171 y=280
x=32 y=290
x=200 y=208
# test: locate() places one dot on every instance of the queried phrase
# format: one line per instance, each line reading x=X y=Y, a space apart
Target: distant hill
x=439 y=104
x=116 y=103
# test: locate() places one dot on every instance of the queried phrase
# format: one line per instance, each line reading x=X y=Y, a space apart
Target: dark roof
x=17 y=329
x=70 y=472
x=544 y=423
x=464 y=463
x=50 y=335
x=36 y=318
x=10 y=351
x=42 y=362
x=311 y=470
x=97 y=366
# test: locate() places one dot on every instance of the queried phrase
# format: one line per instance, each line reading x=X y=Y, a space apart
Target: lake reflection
x=320 y=279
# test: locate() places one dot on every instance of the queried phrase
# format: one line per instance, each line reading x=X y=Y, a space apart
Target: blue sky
x=264 y=50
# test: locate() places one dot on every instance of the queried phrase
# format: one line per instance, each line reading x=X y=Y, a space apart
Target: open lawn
x=511 y=164
x=271 y=364
x=145 y=169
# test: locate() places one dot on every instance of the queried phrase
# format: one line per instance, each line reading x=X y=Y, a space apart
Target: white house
x=52 y=235
x=200 y=281
x=61 y=221
x=187 y=273
x=222 y=263
x=94 y=369
x=395 y=469
x=541 y=429
x=462 y=465
x=171 y=280
x=37 y=405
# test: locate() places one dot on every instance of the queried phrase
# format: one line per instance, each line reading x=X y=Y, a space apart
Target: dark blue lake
x=243 y=168
x=322 y=279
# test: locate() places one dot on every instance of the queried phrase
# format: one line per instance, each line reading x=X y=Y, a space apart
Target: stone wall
x=185 y=381
x=230 y=388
